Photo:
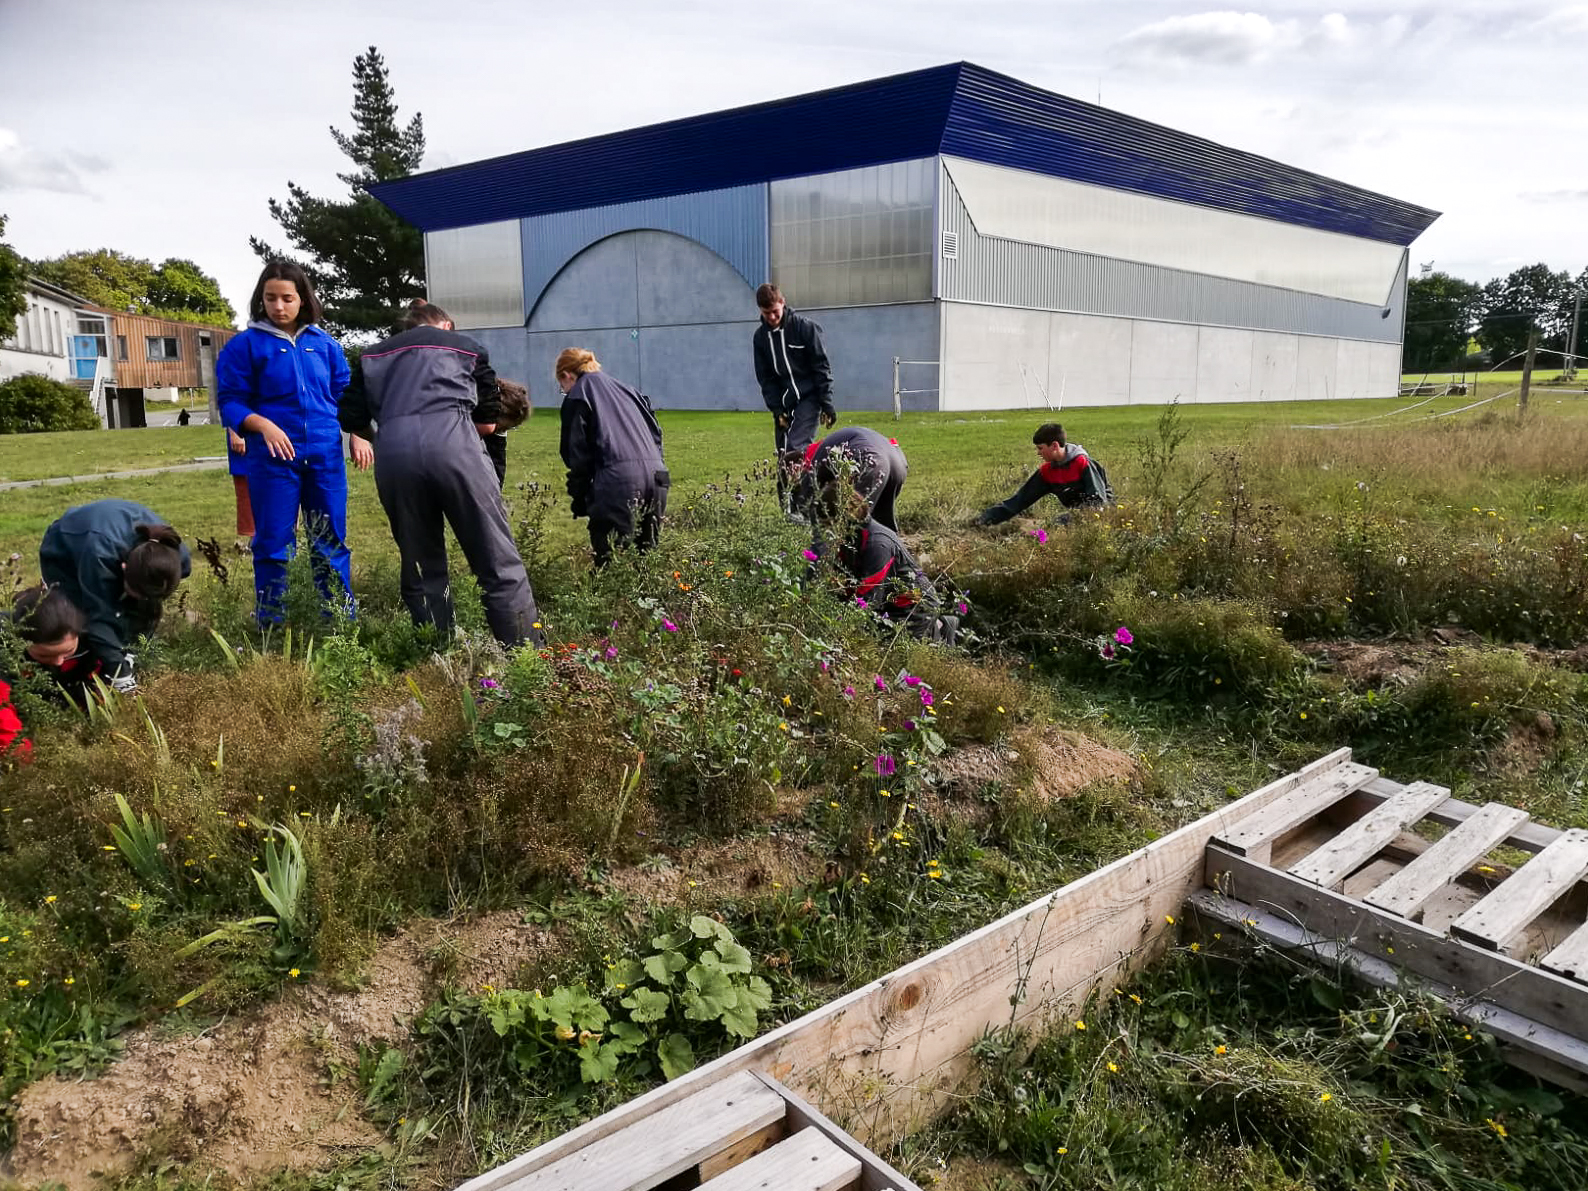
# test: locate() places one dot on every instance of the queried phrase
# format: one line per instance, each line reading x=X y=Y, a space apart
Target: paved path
x=56 y=481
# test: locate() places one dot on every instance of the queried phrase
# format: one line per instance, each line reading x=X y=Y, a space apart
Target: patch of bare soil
x=1367 y=663
x=975 y=1174
x=254 y=1093
x=786 y=858
x=1060 y=764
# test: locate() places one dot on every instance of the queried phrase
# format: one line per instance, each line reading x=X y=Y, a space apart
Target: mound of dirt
x=710 y=872
x=1060 y=763
x=255 y=1093
x=1364 y=664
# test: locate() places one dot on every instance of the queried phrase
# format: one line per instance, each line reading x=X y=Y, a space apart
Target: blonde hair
x=577 y=361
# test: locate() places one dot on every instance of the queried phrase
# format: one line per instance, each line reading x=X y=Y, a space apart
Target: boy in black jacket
x=1067 y=473
x=795 y=378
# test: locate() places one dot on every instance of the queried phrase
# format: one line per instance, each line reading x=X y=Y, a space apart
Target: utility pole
x=1527 y=370
x=1571 y=343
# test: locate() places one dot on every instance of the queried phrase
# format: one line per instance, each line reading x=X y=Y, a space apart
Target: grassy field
x=446 y=834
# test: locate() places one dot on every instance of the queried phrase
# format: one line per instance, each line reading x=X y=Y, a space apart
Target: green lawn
x=957 y=460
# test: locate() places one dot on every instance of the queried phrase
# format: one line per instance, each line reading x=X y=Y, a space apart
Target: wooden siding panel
x=137 y=371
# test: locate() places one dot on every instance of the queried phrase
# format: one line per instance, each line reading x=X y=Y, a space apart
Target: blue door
x=85 y=355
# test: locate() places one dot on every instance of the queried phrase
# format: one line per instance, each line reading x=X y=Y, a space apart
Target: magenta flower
x=881 y=686
x=1108 y=651
x=612 y=652
x=909 y=725
x=926 y=698
x=860 y=603
x=669 y=626
x=962 y=607
x=1122 y=635
x=884 y=765
x=1041 y=536
x=911 y=680
x=489 y=684
x=824 y=665
x=849 y=692
x=810 y=555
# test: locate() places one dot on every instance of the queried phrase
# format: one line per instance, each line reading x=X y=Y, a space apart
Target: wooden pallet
x=745 y=1132
x=1343 y=865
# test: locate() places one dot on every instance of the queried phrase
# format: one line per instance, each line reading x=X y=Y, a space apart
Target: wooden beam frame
x=885 y=1059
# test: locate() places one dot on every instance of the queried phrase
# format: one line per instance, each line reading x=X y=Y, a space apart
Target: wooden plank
x=1470 y=972
x=1530 y=837
x=1570 y=959
x=1409 y=890
x=1526 y=894
x=808 y=1161
x=1255 y=836
x=1331 y=864
x=875 y=1174
x=742 y=1150
x=654 y=1148
x=887 y=1057
x=1560 y=1055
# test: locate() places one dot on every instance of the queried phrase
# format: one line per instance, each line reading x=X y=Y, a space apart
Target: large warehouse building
x=1014 y=247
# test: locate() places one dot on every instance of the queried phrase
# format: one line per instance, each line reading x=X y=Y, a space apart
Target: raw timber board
x=884 y=1059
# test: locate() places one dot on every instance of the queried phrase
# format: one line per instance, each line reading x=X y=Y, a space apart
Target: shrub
x=33 y=404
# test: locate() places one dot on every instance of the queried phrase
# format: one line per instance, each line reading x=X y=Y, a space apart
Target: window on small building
x=121 y=347
x=163 y=347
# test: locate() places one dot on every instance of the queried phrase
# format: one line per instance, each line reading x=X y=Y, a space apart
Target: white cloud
x=1222 y=38
x=23 y=167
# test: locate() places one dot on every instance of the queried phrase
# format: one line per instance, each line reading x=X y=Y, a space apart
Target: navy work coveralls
x=612 y=447
x=295 y=381
x=872 y=463
x=425 y=389
x=82 y=553
x=876 y=567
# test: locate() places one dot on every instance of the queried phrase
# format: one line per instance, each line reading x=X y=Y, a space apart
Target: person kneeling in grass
x=875 y=569
x=48 y=629
x=1067 y=473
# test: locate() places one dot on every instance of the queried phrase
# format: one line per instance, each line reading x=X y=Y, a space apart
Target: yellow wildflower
x=1080 y=1025
x=50 y=900
x=294 y=973
x=23 y=983
x=1221 y=1049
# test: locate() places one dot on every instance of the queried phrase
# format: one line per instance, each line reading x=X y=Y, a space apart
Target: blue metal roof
x=960 y=109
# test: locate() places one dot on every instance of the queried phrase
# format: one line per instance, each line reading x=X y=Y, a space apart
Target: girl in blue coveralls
x=279 y=382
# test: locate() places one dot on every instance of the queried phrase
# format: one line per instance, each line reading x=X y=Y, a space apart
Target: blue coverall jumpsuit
x=295 y=381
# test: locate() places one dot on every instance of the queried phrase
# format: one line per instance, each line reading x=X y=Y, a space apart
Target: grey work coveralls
x=612 y=446
x=426 y=388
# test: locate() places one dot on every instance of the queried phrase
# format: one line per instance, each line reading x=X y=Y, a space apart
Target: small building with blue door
x=1011 y=246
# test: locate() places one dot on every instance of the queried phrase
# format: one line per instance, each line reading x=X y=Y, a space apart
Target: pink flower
x=1041 y=536
x=962 y=607
x=909 y=725
x=611 y=652
x=911 y=680
x=884 y=765
x=824 y=665
x=849 y=692
x=1122 y=635
x=860 y=603
x=1108 y=651
x=489 y=684
x=810 y=555
x=669 y=626
x=881 y=686
x=926 y=698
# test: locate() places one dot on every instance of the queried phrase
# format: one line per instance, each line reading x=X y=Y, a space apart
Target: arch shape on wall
x=642 y=277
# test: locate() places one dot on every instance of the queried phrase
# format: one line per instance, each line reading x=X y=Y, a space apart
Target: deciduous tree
x=1441 y=313
x=13 y=286
x=176 y=289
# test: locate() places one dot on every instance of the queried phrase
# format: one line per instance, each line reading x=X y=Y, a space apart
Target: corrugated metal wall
x=1035 y=277
x=732 y=223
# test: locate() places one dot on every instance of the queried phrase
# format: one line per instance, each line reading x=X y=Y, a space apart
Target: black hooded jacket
x=791 y=363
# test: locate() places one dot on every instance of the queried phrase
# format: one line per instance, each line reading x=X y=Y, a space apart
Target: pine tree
x=366 y=262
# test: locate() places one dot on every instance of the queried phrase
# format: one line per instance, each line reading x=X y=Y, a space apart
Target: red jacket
x=13 y=745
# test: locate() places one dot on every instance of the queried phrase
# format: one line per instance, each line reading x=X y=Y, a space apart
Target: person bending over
x=795 y=378
x=1067 y=473
x=513 y=410
x=612 y=447
x=873 y=464
x=118 y=562
x=433 y=393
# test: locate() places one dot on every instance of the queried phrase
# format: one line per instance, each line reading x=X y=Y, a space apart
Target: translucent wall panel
x=855 y=238
x=1035 y=209
x=476 y=274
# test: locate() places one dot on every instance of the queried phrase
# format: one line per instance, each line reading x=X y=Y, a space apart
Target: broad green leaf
x=669 y=942
x=648 y=1004
x=710 y=993
x=756 y=994
x=597 y=1062
x=708 y=928
x=662 y=966
x=739 y=1020
x=626 y=1037
x=575 y=1009
x=734 y=957
x=627 y=972
x=676 y=1055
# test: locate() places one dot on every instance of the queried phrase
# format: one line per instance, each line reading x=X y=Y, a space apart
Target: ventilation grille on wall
x=950 y=245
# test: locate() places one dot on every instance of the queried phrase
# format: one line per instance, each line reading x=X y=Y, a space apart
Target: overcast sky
x=160 y=127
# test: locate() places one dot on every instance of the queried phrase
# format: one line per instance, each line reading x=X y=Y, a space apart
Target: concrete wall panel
x=1274 y=366
x=1316 y=366
x=1089 y=360
x=682 y=282
x=997 y=357
x=598 y=288
x=1163 y=363
x=1224 y=364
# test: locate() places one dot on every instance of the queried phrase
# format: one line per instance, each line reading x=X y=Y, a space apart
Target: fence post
x=1527 y=370
x=898 y=408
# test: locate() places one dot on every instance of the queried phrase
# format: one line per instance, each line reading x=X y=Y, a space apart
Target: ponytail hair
x=154 y=564
x=422 y=312
x=516 y=406
x=577 y=361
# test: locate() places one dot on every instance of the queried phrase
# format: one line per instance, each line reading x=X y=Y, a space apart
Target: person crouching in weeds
x=1067 y=474
x=873 y=464
x=44 y=636
x=612 y=447
x=873 y=568
x=432 y=393
x=514 y=409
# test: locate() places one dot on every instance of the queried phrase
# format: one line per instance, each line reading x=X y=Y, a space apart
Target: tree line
x=1444 y=314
